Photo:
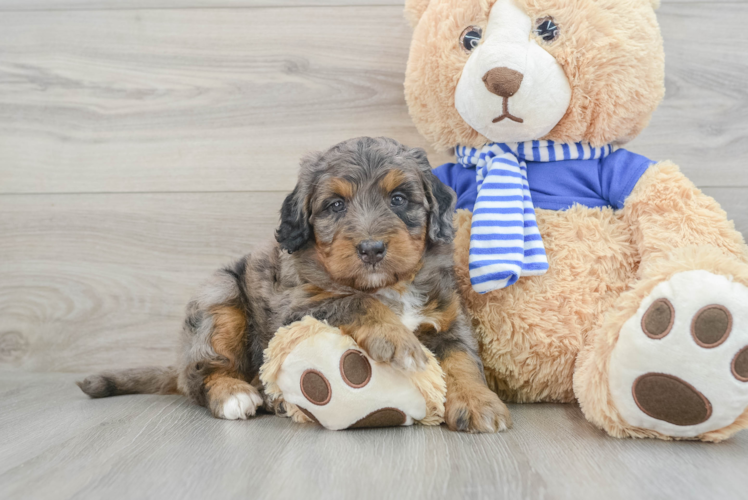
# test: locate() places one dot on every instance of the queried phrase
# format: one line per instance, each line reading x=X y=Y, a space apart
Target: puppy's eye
x=546 y=29
x=337 y=206
x=470 y=38
x=398 y=200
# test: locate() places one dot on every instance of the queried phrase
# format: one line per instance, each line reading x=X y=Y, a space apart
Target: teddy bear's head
x=484 y=71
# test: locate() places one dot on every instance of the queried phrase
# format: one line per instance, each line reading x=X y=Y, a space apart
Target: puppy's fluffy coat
x=365 y=243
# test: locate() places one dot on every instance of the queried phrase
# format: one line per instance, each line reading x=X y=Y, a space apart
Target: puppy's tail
x=149 y=380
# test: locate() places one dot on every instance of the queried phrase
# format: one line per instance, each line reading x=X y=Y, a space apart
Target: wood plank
x=55 y=5
x=229 y=99
x=59 y=444
x=702 y=124
x=103 y=280
x=26 y=5
x=98 y=281
x=190 y=100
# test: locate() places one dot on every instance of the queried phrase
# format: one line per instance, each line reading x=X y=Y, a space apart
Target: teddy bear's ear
x=414 y=9
x=655 y=4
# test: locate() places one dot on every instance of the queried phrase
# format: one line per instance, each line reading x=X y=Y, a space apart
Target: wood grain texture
x=100 y=281
x=229 y=99
x=192 y=100
x=26 y=5
x=55 y=5
x=58 y=444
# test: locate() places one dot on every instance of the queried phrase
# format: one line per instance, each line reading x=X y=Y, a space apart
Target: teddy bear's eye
x=470 y=38
x=546 y=29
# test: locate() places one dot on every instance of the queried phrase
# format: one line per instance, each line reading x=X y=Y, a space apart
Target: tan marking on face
x=340 y=259
x=405 y=251
x=392 y=180
x=342 y=187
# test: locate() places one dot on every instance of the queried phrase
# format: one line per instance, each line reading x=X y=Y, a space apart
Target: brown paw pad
x=658 y=320
x=309 y=415
x=315 y=387
x=740 y=365
x=711 y=326
x=355 y=369
x=668 y=398
x=386 y=417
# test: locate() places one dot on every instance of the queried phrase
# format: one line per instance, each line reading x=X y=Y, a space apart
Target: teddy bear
x=591 y=274
x=321 y=375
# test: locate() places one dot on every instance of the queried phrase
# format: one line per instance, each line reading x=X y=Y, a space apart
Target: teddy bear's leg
x=670 y=359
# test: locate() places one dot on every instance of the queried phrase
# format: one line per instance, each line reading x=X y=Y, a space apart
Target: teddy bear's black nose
x=371 y=252
x=503 y=82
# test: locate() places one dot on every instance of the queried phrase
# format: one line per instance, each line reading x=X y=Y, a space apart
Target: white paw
x=241 y=405
x=680 y=366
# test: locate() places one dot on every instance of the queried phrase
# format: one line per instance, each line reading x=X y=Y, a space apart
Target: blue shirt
x=558 y=185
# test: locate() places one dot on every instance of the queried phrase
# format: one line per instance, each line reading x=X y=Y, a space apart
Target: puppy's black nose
x=371 y=251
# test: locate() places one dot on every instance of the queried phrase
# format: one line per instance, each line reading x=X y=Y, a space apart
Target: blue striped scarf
x=505 y=242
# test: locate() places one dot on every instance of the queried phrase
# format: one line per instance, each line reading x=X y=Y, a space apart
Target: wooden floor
x=144 y=143
x=56 y=443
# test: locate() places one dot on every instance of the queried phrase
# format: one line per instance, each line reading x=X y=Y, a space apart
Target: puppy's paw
x=233 y=399
x=393 y=344
x=476 y=410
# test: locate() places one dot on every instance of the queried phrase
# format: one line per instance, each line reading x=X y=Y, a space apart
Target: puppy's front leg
x=383 y=336
x=471 y=406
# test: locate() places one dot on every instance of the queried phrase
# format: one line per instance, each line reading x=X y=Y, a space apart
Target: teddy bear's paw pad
x=740 y=365
x=355 y=369
x=309 y=415
x=670 y=399
x=386 y=417
x=711 y=326
x=680 y=365
x=334 y=383
x=658 y=320
x=315 y=387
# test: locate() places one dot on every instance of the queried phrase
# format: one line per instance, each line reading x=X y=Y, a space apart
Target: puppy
x=364 y=244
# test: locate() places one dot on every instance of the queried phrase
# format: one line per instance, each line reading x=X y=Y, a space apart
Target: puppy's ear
x=441 y=200
x=295 y=230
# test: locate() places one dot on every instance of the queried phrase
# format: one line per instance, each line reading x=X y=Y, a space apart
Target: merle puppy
x=365 y=243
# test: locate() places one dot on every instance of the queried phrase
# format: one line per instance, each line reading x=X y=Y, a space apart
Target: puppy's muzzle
x=371 y=252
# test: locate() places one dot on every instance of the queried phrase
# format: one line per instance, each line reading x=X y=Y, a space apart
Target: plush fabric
x=617 y=322
x=330 y=397
x=616 y=82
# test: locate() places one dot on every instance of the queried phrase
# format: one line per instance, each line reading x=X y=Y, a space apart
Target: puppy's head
x=366 y=211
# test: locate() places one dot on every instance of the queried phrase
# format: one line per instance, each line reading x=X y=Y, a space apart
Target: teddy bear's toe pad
x=740 y=365
x=680 y=366
x=315 y=387
x=386 y=417
x=335 y=384
x=668 y=398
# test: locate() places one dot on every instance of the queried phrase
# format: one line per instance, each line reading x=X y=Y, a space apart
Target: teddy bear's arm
x=667 y=211
x=667 y=359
